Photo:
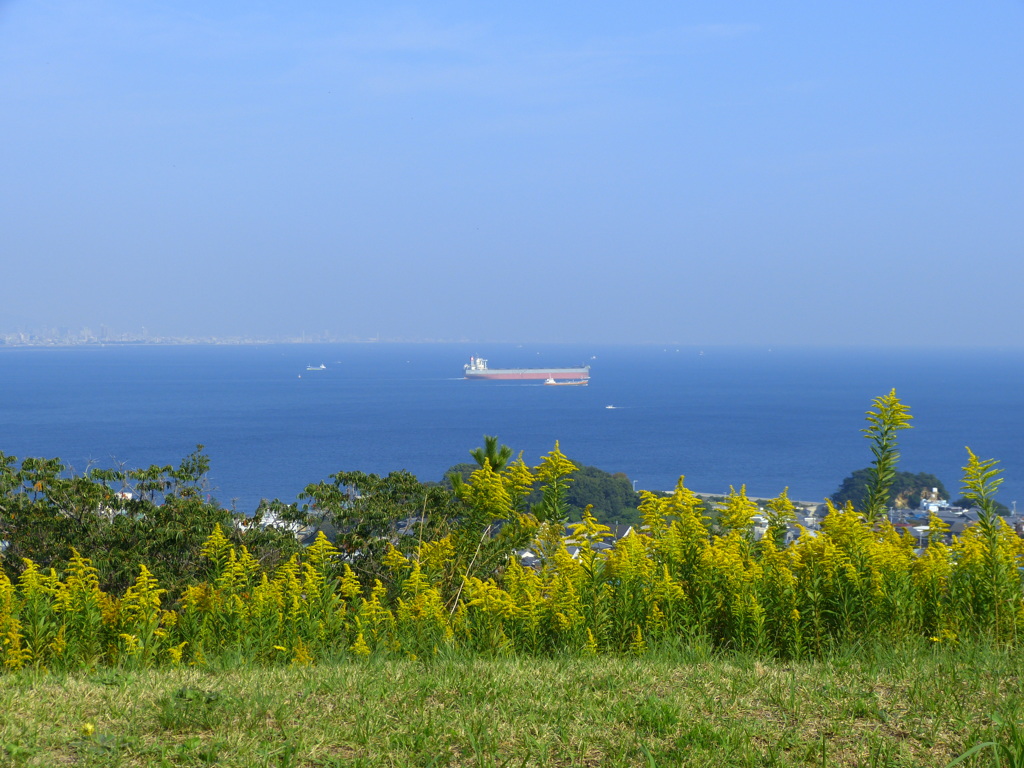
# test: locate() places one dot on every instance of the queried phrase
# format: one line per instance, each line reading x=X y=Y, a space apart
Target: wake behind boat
x=550 y=382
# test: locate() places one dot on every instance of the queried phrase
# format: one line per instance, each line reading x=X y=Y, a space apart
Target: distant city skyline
x=703 y=173
x=64 y=336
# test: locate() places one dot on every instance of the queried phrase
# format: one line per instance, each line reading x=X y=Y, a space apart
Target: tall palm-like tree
x=498 y=457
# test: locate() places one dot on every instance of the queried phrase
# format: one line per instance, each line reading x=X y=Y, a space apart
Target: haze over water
x=699 y=173
x=720 y=416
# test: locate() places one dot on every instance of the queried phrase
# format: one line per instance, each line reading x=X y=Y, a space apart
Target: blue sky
x=695 y=173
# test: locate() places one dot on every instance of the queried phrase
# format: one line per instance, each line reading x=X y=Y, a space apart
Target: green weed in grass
x=190 y=709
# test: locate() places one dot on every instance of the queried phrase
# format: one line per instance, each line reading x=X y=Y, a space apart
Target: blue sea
x=769 y=419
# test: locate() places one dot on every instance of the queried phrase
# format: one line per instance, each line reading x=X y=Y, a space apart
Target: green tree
x=905 y=490
x=157 y=516
x=458 y=473
x=611 y=496
x=371 y=512
x=491 y=455
x=497 y=456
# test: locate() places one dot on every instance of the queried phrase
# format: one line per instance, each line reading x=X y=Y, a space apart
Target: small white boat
x=320 y=367
x=550 y=382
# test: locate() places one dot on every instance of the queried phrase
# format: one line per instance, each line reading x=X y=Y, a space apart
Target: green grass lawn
x=909 y=707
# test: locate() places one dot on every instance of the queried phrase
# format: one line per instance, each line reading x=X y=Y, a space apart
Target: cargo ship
x=477 y=369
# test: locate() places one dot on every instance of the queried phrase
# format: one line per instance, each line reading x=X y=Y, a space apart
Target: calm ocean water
x=769 y=419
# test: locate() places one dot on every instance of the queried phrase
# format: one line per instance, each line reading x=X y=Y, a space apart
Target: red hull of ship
x=531 y=373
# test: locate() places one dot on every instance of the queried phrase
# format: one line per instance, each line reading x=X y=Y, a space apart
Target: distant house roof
x=307 y=535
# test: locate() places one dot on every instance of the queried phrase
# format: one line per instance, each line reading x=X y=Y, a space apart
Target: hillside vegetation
x=447 y=577
x=420 y=580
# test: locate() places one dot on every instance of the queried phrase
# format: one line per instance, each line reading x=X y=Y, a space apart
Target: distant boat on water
x=551 y=382
x=320 y=367
x=477 y=369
